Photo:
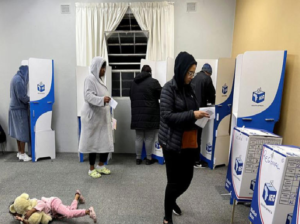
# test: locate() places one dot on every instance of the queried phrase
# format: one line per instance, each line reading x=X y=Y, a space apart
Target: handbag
x=189 y=139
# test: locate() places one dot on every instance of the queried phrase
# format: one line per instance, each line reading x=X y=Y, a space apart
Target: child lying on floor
x=33 y=211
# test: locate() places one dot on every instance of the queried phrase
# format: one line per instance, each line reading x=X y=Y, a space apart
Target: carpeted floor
x=131 y=194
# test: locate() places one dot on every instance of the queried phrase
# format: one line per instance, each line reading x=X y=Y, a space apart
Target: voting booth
x=276 y=187
x=41 y=93
x=81 y=73
x=163 y=71
x=215 y=134
x=244 y=160
x=258 y=86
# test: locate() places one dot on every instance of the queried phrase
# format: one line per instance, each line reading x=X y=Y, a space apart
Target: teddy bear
x=23 y=203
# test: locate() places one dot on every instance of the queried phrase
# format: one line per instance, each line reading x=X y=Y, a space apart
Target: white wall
x=35 y=28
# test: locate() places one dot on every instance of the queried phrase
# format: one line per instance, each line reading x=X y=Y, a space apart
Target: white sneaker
x=24 y=157
x=18 y=155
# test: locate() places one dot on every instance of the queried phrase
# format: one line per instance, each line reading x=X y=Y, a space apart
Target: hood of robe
x=95 y=67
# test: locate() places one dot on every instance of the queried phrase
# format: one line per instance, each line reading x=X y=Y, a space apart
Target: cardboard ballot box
x=276 y=185
x=296 y=213
x=244 y=159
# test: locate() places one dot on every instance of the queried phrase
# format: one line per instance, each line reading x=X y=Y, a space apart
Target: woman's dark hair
x=103 y=65
x=146 y=68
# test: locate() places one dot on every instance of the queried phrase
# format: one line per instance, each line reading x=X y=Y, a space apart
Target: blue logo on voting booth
x=208 y=147
x=252 y=185
x=41 y=87
x=269 y=194
x=224 y=89
x=289 y=218
x=258 y=96
x=157 y=146
x=238 y=167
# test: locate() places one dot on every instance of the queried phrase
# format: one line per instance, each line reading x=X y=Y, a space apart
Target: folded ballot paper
x=202 y=122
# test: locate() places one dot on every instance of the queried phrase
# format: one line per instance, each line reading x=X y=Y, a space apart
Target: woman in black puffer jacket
x=144 y=95
x=179 y=111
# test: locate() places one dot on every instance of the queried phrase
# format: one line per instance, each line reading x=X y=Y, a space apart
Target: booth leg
x=81 y=157
x=233 y=209
x=231 y=199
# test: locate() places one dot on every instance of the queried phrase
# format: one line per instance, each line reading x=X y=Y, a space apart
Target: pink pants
x=67 y=211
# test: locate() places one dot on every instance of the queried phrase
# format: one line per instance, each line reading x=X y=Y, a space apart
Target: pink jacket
x=45 y=205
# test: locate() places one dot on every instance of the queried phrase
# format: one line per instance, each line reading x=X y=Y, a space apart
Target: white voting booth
x=276 y=185
x=163 y=71
x=244 y=160
x=215 y=135
x=259 y=77
x=81 y=73
x=41 y=93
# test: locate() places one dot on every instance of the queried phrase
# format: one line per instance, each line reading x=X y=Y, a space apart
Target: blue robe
x=18 y=108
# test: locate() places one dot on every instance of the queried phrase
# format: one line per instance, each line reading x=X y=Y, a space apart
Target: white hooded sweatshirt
x=96 y=128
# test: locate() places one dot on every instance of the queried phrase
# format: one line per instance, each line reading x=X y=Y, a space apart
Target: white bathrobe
x=96 y=128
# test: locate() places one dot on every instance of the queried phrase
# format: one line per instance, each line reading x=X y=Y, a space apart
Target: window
x=126 y=47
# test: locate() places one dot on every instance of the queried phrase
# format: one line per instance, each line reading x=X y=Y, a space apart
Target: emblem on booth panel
x=157 y=145
x=224 y=89
x=258 y=96
x=41 y=87
x=289 y=218
x=269 y=194
x=238 y=167
x=252 y=184
x=208 y=147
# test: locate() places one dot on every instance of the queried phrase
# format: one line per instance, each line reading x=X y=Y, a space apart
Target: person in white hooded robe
x=96 y=131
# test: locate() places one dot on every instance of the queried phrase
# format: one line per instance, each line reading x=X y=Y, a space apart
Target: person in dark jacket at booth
x=205 y=93
x=144 y=95
x=179 y=111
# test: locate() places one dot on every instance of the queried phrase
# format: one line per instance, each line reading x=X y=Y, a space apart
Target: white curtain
x=158 y=19
x=92 y=19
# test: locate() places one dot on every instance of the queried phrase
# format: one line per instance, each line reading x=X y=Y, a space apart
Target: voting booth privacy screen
x=41 y=93
x=276 y=187
x=215 y=135
x=258 y=86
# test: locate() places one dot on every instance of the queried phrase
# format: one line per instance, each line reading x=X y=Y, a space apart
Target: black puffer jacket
x=175 y=118
x=204 y=89
x=144 y=95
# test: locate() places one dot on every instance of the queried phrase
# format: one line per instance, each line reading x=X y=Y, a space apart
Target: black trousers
x=199 y=145
x=102 y=158
x=180 y=171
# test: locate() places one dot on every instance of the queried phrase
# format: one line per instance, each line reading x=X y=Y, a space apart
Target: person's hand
x=106 y=99
x=18 y=218
x=200 y=114
x=21 y=219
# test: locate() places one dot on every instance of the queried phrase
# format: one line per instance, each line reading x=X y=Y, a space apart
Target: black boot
x=169 y=222
x=149 y=161
x=177 y=210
